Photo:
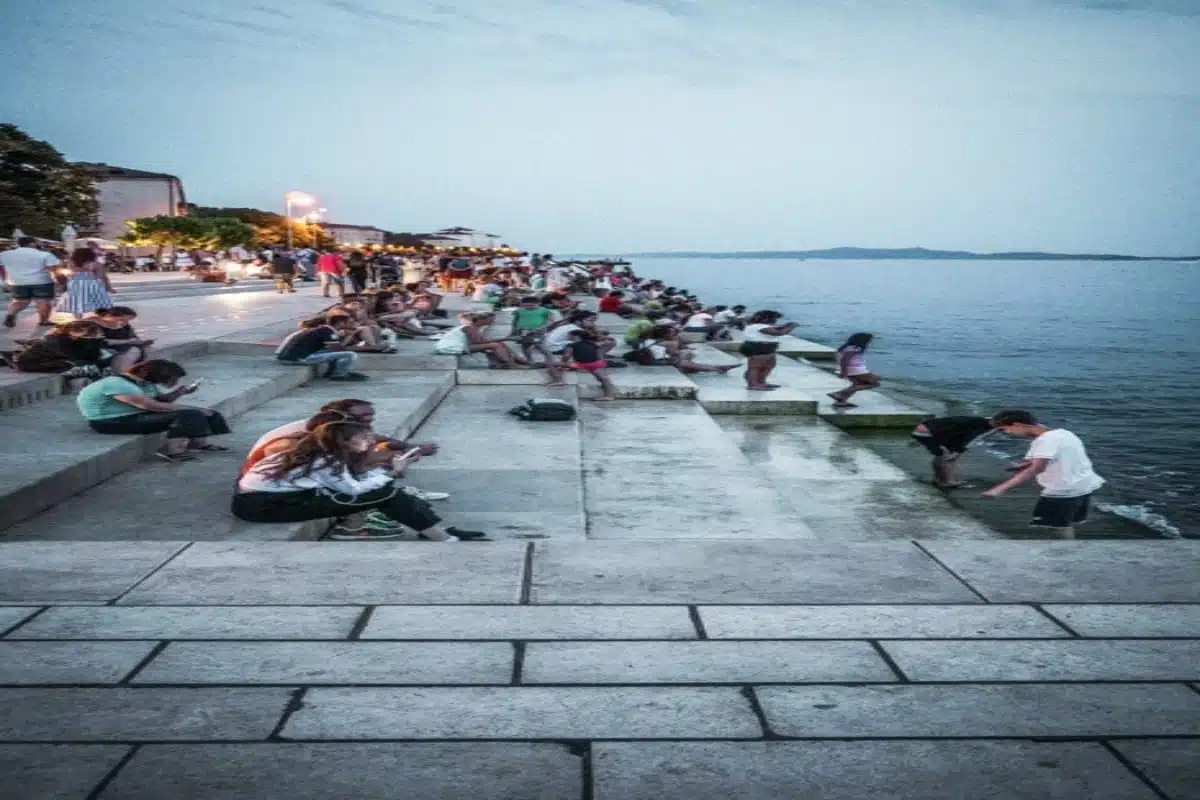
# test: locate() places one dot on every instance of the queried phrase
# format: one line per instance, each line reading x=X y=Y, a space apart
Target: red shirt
x=331 y=264
x=610 y=304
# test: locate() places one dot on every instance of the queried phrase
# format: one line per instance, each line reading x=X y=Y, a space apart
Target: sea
x=1109 y=350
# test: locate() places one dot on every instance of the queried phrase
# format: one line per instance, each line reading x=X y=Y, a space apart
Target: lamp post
x=294 y=199
x=313 y=218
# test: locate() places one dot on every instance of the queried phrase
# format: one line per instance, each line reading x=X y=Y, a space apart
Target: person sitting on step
x=320 y=342
x=120 y=337
x=334 y=471
x=131 y=403
x=74 y=350
x=361 y=412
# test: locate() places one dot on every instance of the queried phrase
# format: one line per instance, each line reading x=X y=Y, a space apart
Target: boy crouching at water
x=584 y=352
x=1061 y=465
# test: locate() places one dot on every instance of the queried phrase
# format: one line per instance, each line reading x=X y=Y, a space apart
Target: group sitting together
x=87 y=349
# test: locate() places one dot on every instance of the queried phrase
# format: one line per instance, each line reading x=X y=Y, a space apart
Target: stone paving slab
x=740 y=572
x=462 y=771
x=331 y=663
x=304 y=573
x=530 y=622
x=1173 y=764
x=69 y=662
x=14 y=615
x=1141 y=621
x=1070 y=572
x=192 y=622
x=1013 y=710
x=703 y=662
x=861 y=771
x=1047 y=660
x=32 y=572
x=520 y=525
x=56 y=771
x=125 y=714
x=877 y=622
x=524 y=713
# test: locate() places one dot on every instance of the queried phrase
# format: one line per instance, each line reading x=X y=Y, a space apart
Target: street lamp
x=294 y=199
x=313 y=218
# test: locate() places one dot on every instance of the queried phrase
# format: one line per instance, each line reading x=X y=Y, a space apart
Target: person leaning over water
x=760 y=342
x=947 y=438
x=1059 y=462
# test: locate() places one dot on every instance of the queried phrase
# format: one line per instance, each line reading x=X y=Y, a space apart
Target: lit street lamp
x=313 y=218
x=294 y=199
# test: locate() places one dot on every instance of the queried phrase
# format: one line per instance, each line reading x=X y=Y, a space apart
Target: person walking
x=356 y=271
x=88 y=288
x=852 y=366
x=1060 y=463
x=331 y=271
x=283 y=267
x=29 y=274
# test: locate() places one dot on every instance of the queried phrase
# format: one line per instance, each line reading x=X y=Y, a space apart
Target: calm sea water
x=1110 y=350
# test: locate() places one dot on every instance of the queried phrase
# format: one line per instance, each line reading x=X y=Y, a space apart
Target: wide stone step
x=788 y=346
x=727 y=394
x=51 y=454
x=190 y=501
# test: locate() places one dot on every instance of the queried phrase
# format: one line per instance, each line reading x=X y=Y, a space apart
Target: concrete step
x=727 y=394
x=152 y=501
x=50 y=454
x=874 y=409
x=842 y=490
x=788 y=346
x=666 y=470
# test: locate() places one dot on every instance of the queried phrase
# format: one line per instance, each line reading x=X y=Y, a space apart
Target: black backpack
x=546 y=409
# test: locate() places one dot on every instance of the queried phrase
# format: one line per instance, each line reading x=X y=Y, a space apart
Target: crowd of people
x=333 y=465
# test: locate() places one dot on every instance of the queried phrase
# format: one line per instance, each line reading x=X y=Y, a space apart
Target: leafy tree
x=188 y=233
x=269 y=228
x=40 y=191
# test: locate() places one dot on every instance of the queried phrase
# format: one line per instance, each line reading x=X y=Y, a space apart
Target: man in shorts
x=1061 y=465
x=29 y=274
x=947 y=438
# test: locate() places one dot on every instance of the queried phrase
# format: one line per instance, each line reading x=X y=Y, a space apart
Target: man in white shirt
x=1061 y=465
x=28 y=272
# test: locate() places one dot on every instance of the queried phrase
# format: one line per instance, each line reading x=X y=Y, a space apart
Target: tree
x=40 y=191
x=188 y=233
x=269 y=228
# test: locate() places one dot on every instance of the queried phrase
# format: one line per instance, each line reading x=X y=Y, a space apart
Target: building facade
x=125 y=194
x=355 y=235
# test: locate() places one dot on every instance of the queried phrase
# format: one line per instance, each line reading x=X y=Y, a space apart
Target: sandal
x=175 y=457
x=210 y=448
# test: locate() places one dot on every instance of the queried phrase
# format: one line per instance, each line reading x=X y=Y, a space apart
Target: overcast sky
x=627 y=125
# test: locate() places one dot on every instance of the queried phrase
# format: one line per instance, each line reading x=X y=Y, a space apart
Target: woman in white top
x=335 y=471
x=704 y=322
x=760 y=341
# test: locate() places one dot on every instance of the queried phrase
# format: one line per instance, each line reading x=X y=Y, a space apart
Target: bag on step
x=547 y=409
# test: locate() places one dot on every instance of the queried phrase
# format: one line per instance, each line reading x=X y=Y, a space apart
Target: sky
x=615 y=126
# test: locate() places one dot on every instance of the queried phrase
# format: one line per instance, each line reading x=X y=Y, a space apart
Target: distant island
x=914 y=253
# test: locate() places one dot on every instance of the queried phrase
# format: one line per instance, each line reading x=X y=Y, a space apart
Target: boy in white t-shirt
x=1061 y=465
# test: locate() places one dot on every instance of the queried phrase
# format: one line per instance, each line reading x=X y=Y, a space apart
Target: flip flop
x=210 y=448
x=175 y=458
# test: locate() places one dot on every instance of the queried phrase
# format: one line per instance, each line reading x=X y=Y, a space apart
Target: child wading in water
x=584 y=351
x=853 y=367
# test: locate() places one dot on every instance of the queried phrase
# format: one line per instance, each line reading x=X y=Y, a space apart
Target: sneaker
x=377 y=520
x=421 y=494
x=341 y=534
x=466 y=536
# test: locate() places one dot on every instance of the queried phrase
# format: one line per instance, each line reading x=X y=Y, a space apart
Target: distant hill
x=921 y=253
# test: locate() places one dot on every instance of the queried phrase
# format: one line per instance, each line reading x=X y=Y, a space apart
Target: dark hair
x=1015 y=418
x=337 y=319
x=82 y=256
x=326 y=445
x=764 y=317
x=26 y=241
x=116 y=311
x=660 y=332
x=327 y=418
x=616 y=293
x=861 y=340
x=739 y=308
x=78 y=326
x=343 y=406
x=529 y=298
x=157 y=370
x=715 y=309
x=381 y=301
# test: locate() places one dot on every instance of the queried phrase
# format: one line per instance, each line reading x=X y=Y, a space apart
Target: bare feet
x=726 y=369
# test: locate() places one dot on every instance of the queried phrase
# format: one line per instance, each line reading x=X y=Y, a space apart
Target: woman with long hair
x=852 y=366
x=760 y=342
x=88 y=288
x=336 y=470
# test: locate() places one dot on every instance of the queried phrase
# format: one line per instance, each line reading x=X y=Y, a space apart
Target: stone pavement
x=600 y=669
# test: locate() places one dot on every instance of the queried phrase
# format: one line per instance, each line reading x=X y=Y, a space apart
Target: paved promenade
x=677 y=605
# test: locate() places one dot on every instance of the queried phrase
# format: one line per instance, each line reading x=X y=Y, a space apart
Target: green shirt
x=96 y=399
x=637 y=328
x=529 y=319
